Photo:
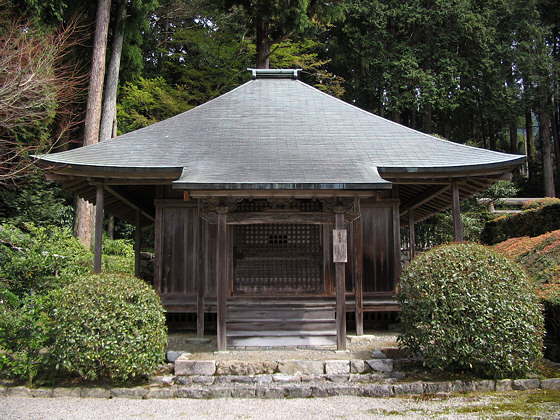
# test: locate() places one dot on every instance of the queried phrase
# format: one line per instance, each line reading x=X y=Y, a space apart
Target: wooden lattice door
x=277 y=259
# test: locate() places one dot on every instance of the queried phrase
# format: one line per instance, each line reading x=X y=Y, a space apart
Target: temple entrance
x=277 y=259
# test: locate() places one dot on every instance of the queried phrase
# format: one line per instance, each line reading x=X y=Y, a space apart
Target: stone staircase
x=280 y=324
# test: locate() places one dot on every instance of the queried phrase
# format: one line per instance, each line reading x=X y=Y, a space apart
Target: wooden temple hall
x=277 y=206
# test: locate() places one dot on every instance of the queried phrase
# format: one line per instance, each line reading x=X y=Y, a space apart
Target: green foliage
x=108 y=326
x=500 y=189
x=23 y=334
x=35 y=200
x=467 y=308
x=149 y=101
x=36 y=262
x=531 y=222
x=35 y=259
x=118 y=255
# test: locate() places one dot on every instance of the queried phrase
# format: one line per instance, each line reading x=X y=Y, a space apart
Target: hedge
x=533 y=221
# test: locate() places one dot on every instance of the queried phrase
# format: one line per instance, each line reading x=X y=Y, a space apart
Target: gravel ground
x=359 y=348
x=491 y=406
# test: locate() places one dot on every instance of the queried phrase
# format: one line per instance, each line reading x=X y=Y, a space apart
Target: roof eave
x=281 y=186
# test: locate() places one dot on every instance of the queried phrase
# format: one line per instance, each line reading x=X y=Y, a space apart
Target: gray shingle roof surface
x=280 y=133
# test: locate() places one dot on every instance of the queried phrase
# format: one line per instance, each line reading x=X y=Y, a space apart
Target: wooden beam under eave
x=423 y=198
x=130 y=202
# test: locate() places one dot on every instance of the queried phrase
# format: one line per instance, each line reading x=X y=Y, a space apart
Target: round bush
x=108 y=325
x=467 y=308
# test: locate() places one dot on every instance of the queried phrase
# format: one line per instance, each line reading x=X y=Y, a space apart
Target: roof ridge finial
x=275 y=73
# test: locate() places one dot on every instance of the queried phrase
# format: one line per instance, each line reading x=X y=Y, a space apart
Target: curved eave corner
x=506 y=165
x=187 y=182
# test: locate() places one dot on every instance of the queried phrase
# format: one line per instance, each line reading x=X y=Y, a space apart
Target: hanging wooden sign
x=339 y=246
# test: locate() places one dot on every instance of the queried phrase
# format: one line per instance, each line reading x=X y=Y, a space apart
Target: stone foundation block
x=220 y=392
x=337 y=367
x=285 y=378
x=18 y=391
x=133 y=393
x=504 y=385
x=301 y=367
x=337 y=378
x=359 y=366
x=160 y=393
x=525 y=384
x=203 y=380
x=553 y=383
x=438 y=387
x=269 y=393
x=408 y=388
x=263 y=379
x=184 y=366
x=319 y=392
x=95 y=393
x=42 y=392
x=67 y=392
x=243 y=392
x=195 y=393
x=380 y=365
x=297 y=391
x=239 y=367
x=377 y=390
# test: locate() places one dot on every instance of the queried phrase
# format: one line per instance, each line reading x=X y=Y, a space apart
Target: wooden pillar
x=358 y=270
x=201 y=280
x=137 y=243
x=340 y=273
x=222 y=280
x=412 y=238
x=98 y=229
x=457 y=226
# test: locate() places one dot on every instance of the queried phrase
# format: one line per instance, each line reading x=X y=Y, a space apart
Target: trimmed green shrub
x=467 y=308
x=108 y=326
x=534 y=221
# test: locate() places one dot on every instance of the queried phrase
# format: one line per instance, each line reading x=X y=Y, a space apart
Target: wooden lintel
x=130 y=202
x=249 y=218
x=423 y=198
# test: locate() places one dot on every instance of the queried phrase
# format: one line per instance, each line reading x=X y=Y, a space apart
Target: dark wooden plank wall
x=177 y=262
x=378 y=244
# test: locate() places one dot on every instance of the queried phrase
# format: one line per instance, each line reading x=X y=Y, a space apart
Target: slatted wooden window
x=277 y=258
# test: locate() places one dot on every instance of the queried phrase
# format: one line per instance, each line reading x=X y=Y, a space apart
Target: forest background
x=484 y=73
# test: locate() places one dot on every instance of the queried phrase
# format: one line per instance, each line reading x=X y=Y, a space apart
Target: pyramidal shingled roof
x=277 y=132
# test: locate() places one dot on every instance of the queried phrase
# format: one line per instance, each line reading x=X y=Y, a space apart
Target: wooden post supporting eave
x=340 y=270
x=358 y=270
x=202 y=278
x=457 y=226
x=412 y=236
x=137 y=243
x=222 y=279
x=98 y=230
